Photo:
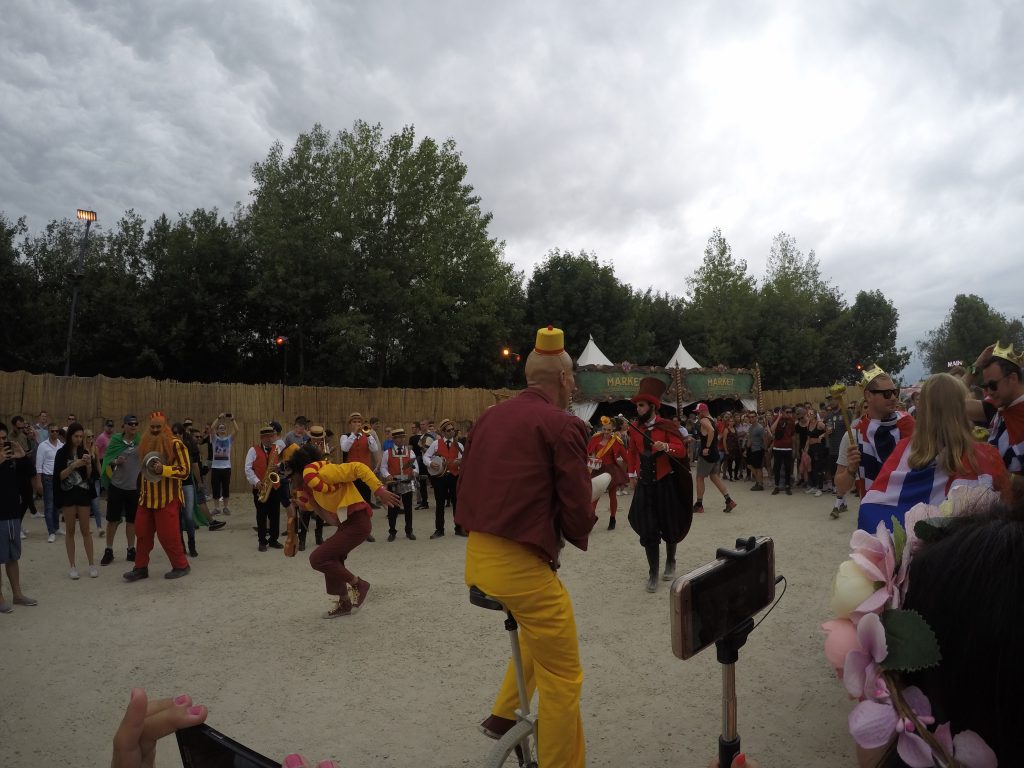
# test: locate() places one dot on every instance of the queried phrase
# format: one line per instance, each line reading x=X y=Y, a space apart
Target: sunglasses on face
x=54 y=431
x=886 y=393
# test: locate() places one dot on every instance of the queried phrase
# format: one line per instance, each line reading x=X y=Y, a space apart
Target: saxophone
x=271 y=479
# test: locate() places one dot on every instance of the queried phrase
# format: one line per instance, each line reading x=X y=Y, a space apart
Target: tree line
x=370 y=257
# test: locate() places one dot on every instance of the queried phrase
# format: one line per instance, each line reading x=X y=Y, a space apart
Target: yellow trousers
x=526 y=585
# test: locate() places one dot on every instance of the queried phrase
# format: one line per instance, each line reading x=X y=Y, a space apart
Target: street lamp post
x=511 y=360
x=76 y=279
x=282 y=346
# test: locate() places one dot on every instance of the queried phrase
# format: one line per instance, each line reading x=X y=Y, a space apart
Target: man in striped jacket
x=165 y=465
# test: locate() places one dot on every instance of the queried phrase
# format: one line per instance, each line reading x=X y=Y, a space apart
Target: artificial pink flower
x=861 y=674
x=840 y=639
x=969 y=749
x=876 y=557
x=874 y=723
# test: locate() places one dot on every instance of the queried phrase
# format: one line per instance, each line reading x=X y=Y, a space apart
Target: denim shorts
x=10 y=541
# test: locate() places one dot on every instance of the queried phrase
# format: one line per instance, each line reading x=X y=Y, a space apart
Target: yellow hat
x=873 y=373
x=1007 y=353
x=550 y=341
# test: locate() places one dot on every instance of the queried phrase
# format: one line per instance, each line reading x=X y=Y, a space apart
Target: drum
x=593 y=463
x=437 y=466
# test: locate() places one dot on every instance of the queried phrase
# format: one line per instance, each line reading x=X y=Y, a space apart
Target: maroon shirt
x=524 y=475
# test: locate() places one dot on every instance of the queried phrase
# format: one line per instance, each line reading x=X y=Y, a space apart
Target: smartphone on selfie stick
x=716 y=604
x=203 y=747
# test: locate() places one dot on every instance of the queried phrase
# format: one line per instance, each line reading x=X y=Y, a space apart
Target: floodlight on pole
x=76 y=278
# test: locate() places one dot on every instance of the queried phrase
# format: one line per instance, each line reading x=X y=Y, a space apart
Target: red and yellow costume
x=606 y=448
x=160 y=500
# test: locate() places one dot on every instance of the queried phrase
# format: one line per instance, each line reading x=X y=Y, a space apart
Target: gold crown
x=872 y=373
x=1007 y=353
x=550 y=341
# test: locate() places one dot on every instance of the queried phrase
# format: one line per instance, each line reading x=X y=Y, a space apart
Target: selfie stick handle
x=728 y=650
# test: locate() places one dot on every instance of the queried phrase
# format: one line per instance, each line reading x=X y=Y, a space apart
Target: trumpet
x=366 y=430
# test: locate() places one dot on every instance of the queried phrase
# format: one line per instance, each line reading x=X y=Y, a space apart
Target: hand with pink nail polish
x=145 y=722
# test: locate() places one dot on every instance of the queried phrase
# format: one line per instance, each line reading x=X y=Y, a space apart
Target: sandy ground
x=405 y=681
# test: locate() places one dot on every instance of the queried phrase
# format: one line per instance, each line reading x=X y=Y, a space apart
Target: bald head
x=553 y=374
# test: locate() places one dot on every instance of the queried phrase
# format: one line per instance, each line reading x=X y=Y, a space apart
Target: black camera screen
x=203 y=747
x=733 y=591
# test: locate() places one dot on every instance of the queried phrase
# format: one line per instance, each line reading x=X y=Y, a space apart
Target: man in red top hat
x=663 y=497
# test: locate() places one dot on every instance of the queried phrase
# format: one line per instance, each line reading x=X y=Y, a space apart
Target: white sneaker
x=51 y=538
x=60 y=532
x=93 y=573
x=24 y=535
x=808 y=490
x=36 y=515
x=817 y=492
x=73 y=572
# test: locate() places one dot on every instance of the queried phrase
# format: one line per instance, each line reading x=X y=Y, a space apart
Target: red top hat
x=651 y=390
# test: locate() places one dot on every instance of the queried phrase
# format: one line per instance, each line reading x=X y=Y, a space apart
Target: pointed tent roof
x=683 y=359
x=592 y=355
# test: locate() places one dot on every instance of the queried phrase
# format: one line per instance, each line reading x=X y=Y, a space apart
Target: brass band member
x=260 y=461
x=399 y=470
x=446 y=451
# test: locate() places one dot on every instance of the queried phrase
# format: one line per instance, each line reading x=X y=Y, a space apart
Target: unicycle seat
x=479 y=598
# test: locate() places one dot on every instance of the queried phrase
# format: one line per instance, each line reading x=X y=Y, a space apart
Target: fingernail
x=196 y=710
x=294 y=761
x=183 y=699
x=740 y=761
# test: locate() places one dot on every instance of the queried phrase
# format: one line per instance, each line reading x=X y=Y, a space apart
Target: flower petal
x=849 y=589
x=870 y=568
x=943 y=733
x=872 y=724
x=854 y=672
x=971 y=750
x=914 y=751
x=917 y=701
x=875 y=601
x=871 y=636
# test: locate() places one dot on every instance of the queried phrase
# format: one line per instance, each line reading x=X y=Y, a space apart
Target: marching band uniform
x=446 y=485
x=159 y=502
x=610 y=454
x=662 y=507
x=360 y=448
x=318 y=437
x=399 y=470
x=257 y=464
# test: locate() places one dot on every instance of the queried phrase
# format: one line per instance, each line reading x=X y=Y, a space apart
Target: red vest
x=450 y=454
x=360 y=451
x=259 y=466
x=400 y=465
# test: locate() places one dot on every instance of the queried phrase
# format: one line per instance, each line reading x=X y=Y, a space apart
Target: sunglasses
x=886 y=393
x=132 y=424
x=992 y=386
x=54 y=431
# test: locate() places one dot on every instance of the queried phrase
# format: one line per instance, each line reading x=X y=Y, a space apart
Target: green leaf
x=899 y=539
x=911 y=642
x=934 y=528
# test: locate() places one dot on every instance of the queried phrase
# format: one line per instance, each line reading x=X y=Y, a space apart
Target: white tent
x=683 y=359
x=592 y=355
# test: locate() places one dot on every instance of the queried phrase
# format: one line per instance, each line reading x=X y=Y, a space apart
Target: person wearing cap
x=419 y=441
x=103 y=438
x=165 y=466
x=525 y=490
x=259 y=460
x=398 y=470
x=317 y=438
x=449 y=449
x=120 y=475
x=330 y=491
x=361 y=446
x=662 y=507
x=709 y=459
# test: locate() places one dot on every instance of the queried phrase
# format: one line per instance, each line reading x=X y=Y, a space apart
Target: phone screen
x=203 y=747
x=715 y=598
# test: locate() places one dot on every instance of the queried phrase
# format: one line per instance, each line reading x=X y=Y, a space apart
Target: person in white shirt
x=45 y=454
x=399 y=472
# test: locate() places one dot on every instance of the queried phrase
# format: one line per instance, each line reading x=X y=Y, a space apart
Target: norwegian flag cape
x=877 y=438
x=898 y=487
x=1007 y=435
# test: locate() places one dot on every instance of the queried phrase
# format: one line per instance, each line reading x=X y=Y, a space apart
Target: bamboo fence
x=814 y=396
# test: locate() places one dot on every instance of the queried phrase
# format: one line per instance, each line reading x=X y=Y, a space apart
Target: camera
x=228 y=416
x=716 y=598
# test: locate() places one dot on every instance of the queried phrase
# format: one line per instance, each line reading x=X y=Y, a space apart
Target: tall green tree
x=869 y=336
x=721 y=313
x=18 y=350
x=970 y=326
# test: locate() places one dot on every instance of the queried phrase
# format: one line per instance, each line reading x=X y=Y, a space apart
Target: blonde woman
x=942 y=454
x=73 y=493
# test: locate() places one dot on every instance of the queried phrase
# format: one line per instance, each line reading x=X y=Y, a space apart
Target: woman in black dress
x=73 y=492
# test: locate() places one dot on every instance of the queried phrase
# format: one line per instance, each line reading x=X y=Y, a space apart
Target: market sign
x=613 y=384
x=711 y=384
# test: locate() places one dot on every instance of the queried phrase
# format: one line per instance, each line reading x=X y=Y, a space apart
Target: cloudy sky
x=885 y=136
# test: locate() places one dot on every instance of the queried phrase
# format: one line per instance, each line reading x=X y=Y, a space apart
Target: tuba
x=271 y=479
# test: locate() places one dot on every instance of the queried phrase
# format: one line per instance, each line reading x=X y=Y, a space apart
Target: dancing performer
x=164 y=465
x=662 y=507
x=331 y=491
x=606 y=456
x=524 y=493
x=448 y=449
x=399 y=471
